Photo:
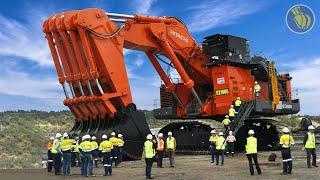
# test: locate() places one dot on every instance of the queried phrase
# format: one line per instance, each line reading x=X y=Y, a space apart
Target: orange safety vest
x=160 y=143
x=49 y=145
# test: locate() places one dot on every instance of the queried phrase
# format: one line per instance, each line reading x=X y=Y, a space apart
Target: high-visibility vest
x=160 y=144
x=286 y=141
x=251 y=147
x=148 y=149
x=86 y=146
x=49 y=145
x=237 y=102
x=232 y=112
x=213 y=138
x=114 y=141
x=55 y=147
x=221 y=143
x=170 y=143
x=105 y=146
x=226 y=121
x=231 y=138
x=94 y=145
x=257 y=88
x=66 y=144
x=120 y=142
x=311 y=141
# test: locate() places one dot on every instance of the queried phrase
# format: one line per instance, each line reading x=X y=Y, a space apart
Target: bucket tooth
x=74 y=128
x=78 y=130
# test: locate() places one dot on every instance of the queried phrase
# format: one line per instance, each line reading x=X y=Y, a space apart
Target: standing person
x=160 y=149
x=310 y=146
x=94 y=150
x=56 y=153
x=286 y=141
x=220 y=147
x=230 y=143
x=257 y=89
x=232 y=113
x=212 y=140
x=77 y=151
x=86 y=148
x=66 y=145
x=251 y=152
x=105 y=148
x=237 y=104
x=114 y=151
x=50 y=156
x=226 y=123
x=149 y=153
x=171 y=148
x=120 y=148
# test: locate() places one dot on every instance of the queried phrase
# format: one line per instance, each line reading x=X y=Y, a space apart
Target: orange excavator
x=87 y=48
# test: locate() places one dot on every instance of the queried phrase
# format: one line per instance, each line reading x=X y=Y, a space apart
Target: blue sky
x=28 y=79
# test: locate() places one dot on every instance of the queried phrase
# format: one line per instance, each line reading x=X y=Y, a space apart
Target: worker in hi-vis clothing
x=105 y=148
x=94 y=151
x=230 y=144
x=232 y=113
x=114 y=151
x=226 y=123
x=86 y=148
x=171 y=148
x=310 y=146
x=160 y=149
x=237 y=104
x=56 y=153
x=120 y=148
x=257 y=89
x=220 y=147
x=212 y=140
x=286 y=141
x=251 y=152
x=149 y=153
x=66 y=147
x=49 y=154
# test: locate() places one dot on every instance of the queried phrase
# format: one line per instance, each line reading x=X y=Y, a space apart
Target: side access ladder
x=243 y=113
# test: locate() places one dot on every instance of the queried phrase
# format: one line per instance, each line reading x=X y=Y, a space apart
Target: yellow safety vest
x=86 y=146
x=257 y=88
x=66 y=144
x=170 y=143
x=251 y=147
x=221 y=143
x=286 y=141
x=226 y=121
x=114 y=141
x=94 y=145
x=56 y=147
x=148 y=149
x=77 y=146
x=213 y=138
x=311 y=141
x=120 y=142
x=105 y=146
x=232 y=112
x=237 y=102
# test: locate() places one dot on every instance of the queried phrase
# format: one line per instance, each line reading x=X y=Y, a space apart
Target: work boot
x=283 y=173
x=314 y=165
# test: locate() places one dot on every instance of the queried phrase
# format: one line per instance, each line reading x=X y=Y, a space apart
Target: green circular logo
x=300 y=19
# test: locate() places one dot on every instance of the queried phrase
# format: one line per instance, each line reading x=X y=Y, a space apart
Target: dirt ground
x=188 y=167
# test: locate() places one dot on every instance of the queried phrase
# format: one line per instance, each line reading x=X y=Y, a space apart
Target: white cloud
x=144 y=6
x=211 y=14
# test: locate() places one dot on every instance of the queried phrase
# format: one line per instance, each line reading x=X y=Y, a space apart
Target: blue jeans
x=107 y=163
x=66 y=162
x=149 y=162
x=87 y=165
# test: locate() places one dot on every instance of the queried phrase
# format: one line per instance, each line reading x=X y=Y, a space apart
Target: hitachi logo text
x=178 y=35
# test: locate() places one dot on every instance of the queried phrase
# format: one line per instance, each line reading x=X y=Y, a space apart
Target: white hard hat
x=77 y=138
x=93 y=138
x=230 y=132
x=251 y=132
x=58 y=135
x=160 y=135
x=285 y=130
x=311 y=127
x=149 y=136
x=213 y=131
x=119 y=135
x=231 y=106
x=238 y=97
x=104 y=136
x=87 y=136
x=220 y=133
x=170 y=133
x=256 y=82
x=113 y=134
x=51 y=138
x=226 y=116
x=65 y=135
